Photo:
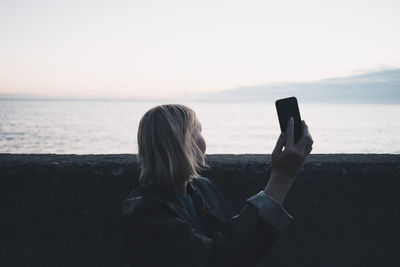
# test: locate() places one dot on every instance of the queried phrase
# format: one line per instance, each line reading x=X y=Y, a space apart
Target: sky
x=147 y=49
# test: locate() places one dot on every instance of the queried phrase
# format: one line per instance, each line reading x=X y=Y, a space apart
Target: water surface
x=110 y=127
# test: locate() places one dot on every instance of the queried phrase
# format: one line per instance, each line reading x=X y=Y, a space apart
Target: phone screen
x=286 y=108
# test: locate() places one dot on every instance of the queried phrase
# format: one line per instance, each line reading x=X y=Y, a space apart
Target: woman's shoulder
x=144 y=200
x=134 y=201
x=141 y=199
x=152 y=199
x=206 y=185
x=212 y=195
x=203 y=181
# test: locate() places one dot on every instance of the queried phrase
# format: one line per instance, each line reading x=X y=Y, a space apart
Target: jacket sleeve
x=154 y=237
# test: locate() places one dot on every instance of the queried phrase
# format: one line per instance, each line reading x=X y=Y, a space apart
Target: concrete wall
x=63 y=210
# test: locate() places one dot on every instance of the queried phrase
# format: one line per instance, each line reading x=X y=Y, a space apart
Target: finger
x=290 y=133
x=279 y=144
x=304 y=126
x=308 y=150
x=306 y=139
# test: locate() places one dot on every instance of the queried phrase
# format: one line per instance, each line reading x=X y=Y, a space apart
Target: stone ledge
x=131 y=158
x=63 y=210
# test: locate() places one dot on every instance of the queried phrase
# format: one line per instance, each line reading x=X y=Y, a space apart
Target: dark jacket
x=159 y=231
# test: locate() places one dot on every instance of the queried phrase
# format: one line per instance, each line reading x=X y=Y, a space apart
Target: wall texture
x=63 y=210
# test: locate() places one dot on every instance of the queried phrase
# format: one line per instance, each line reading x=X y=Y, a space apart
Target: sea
x=110 y=127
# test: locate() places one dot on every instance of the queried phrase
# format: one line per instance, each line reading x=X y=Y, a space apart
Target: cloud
x=373 y=87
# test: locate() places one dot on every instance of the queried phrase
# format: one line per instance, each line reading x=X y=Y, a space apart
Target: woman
x=177 y=218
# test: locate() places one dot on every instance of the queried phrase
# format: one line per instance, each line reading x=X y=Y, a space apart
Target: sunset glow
x=175 y=48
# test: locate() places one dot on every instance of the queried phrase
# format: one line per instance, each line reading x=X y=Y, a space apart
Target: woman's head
x=170 y=146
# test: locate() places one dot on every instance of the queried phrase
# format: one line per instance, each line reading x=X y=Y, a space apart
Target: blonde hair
x=167 y=151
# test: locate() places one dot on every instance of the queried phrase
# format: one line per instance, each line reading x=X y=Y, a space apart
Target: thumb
x=279 y=144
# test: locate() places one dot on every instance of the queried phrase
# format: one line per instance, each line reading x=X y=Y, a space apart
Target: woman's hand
x=286 y=164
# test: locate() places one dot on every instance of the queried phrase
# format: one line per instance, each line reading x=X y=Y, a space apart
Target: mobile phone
x=286 y=108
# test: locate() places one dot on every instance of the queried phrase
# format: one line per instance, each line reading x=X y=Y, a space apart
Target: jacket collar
x=159 y=194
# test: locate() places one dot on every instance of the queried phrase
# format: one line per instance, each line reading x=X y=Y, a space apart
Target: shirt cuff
x=271 y=211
